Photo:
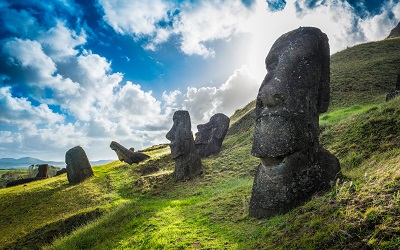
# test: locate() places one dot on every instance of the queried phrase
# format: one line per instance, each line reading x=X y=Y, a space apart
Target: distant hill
x=25 y=162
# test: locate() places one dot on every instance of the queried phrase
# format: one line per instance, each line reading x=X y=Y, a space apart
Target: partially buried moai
x=78 y=165
x=183 y=151
x=292 y=95
x=210 y=135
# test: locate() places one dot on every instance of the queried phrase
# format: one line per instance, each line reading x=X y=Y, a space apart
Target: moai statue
x=210 y=136
x=78 y=166
x=292 y=95
x=43 y=171
x=128 y=155
x=183 y=151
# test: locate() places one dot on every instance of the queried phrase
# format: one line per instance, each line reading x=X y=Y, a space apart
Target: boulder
x=78 y=166
x=128 y=155
x=210 y=136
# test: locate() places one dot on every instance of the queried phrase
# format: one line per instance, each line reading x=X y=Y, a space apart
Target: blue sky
x=89 y=72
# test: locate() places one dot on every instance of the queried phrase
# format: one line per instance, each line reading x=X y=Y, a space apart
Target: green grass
x=365 y=73
x=142 y=207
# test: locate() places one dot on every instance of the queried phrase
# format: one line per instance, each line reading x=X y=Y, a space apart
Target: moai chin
x=292 y=95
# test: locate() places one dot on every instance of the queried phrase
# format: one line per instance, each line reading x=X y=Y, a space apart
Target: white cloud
x=29 y=57
x=60 y=42
x=20 y=111
x=236 y=92
x=379 y=26
x=134 y=17
x=207 y=22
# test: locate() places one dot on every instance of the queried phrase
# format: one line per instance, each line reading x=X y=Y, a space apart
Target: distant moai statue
x=78 y=165
x=128 y=155
x=292 y=95
x=43 y=171
x=210 y=136
x=183 y=151
x=396 y=92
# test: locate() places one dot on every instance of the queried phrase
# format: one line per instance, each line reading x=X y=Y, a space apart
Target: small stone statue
x=210 y=136
x=293 y=94
x=183 y=151
x=43 y=171
x=78 y=166
x=127 y=155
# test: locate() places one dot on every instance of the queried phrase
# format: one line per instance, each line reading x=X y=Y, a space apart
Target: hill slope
x=133 y=207
x=365 y=73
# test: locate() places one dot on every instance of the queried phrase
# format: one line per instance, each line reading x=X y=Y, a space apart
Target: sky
x=75 y=72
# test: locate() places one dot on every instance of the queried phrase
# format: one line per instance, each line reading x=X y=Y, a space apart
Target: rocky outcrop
x=395 y=32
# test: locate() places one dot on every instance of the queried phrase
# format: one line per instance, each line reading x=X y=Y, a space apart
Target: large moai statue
x=78 y=165
x=128 y=155
x=210 y=136
x=292 y=95
x=183 y=151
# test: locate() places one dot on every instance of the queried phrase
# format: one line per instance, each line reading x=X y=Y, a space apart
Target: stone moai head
x=183 y=151
x=210 y=135
x=78 y=165
x=180 y=134
x=293 y=93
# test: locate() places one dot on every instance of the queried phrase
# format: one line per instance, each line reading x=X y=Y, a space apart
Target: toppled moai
x=396 y=92
x=127 y=155
x=292 y=95
x=183 y=151
x=78 y=165
x=210 y=136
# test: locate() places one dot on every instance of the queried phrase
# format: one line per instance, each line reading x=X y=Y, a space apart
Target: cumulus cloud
x=134 y=17
x=236 y=92
x=60 y=42
x=20 y=111
x=28 y=58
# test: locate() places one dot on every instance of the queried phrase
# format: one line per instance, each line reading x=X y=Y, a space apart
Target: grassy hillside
x=142 y=207
x=365 y=73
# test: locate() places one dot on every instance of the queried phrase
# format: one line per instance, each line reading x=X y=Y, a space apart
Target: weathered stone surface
x=78 y=166
x=396 y=92
x=43 y=171
x=293 y=94
x=128 y=155
x=61 y=171
x=183 y=151
x=210 y=136
x=395 y=32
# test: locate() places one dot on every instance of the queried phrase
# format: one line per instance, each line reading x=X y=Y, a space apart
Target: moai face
x=180 y=134
x=292 y=95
